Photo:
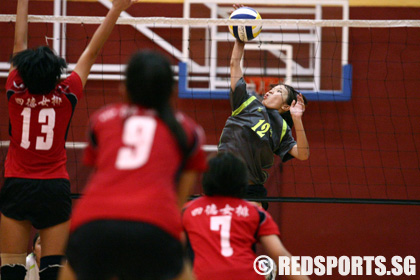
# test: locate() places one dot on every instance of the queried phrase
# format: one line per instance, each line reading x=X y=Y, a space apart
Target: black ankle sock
x=13 y=272
x=49 y=267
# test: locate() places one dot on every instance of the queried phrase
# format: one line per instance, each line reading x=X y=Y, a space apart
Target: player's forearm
x=235 y=63
x=186 y=183
x=301 y=140
x=237 y=53
x=275 y=249
x=103 y=31
x=101 y=34
x=21 y=29
x=99 y=38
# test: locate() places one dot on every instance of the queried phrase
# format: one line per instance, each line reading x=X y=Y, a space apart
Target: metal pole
x=63 y=32
x=56 y=27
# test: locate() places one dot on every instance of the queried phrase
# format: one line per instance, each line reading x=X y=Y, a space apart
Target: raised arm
x=21 y=28
x=275 y=248
x=235 y=63
x=301 y=149
x=100 y=36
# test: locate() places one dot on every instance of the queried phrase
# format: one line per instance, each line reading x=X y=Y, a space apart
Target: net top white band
x=174 y=22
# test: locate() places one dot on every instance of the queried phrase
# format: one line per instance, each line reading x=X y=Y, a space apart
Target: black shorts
x=124 y=249
x=254 y=192
x=45 y=203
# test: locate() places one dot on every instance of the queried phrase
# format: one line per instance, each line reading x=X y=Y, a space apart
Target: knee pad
x=11 y=259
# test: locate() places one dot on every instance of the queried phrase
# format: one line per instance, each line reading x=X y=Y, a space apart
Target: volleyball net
x=361 y=77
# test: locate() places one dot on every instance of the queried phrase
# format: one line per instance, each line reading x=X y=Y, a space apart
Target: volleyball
x=242 y=32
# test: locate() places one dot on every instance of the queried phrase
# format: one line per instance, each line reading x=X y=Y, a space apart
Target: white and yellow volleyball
x=242 y=32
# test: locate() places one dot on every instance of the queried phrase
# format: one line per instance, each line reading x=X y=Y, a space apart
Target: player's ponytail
x=167 y=115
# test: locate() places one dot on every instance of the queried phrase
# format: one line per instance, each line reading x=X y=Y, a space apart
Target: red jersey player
x=146 y=160
x=36 y=191
x=222 y=229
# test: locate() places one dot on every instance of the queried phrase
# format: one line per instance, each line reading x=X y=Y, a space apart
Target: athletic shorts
x=45 y=203
x=253 y=192
x=126 y=250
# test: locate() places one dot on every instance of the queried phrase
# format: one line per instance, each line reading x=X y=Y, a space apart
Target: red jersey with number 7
x=222 y=232
x=38 y=126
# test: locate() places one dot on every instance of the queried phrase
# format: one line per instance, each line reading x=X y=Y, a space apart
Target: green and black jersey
x=255 y=133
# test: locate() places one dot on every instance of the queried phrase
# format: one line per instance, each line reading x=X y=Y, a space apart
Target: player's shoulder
x=242 y=87
x=14 y=74
x=223 y=202
x=185 y=120
x=253 y=210
x=274 y=115
x=198 y=201
x=71 y=85
x=190 y=126
x=254 y=207
x=240 y=84
x=193 y=208
x=72 y=78
x=14 y=82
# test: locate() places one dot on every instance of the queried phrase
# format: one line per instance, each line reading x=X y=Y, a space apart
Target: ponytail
x=166 y=114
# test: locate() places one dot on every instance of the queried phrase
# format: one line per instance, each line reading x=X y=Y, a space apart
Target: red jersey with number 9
x=136 y=160
x=222 y=232
x=38 y=128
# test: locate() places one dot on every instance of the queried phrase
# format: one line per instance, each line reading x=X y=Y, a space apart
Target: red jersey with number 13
x=38 y=128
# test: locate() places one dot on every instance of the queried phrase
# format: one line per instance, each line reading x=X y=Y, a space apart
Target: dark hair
x=149 y=82
x=292 y=95
x=39 y=68
x=35 y=239
x=226 y=176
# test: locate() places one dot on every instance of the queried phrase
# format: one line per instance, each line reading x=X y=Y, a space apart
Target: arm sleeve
x=14 y=83
x=185 y=206
x=239 y=95
x=267 y=225
x=286 y=144
x=74 y=85
x=13 y=80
